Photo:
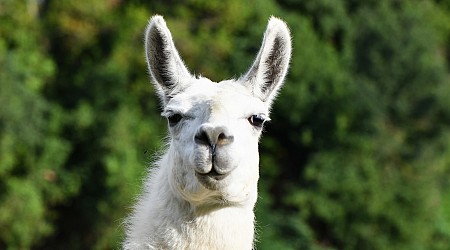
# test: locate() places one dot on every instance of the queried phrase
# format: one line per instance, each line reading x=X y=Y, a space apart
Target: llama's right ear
x=168 y=72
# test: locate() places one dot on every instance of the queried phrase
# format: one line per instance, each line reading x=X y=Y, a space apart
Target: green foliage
x=357 y=155
x=369 y=104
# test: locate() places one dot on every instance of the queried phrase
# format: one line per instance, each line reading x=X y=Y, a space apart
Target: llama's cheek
x=250 y=144
x=186 y=185
x=248 y=170
x=188 y=155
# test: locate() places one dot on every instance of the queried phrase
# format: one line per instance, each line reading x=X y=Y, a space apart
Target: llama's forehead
x=229 y=96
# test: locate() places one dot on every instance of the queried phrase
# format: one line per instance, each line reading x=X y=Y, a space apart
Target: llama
x=202 y=191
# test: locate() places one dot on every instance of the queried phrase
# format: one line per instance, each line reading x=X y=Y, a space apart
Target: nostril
x=201 y=137
x=222 y=136
x=224 y=139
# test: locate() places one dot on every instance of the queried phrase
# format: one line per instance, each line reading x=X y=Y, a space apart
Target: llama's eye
x=174 y=119
x=257 y=120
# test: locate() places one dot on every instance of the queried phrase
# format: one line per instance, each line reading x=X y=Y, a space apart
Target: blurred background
x=357 y=155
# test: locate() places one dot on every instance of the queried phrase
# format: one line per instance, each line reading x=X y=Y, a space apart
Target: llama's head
x=215 y=127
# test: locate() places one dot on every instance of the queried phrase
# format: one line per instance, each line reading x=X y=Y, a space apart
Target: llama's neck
x=163 y=220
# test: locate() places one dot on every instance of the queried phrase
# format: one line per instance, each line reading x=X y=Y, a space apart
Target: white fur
x=202 y=191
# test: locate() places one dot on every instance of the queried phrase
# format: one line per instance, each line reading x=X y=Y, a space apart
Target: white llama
x=202 y=191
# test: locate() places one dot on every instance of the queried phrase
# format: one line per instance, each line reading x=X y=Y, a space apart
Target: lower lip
x=215 y=176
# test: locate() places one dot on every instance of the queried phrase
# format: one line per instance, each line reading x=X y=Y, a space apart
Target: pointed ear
x=168 y=72
x=266 y=75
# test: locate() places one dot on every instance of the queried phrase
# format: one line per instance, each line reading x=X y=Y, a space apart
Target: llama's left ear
x=266 y=75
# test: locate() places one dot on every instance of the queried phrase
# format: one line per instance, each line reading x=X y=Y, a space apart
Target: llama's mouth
x=211 y=180
x=211 y=172
x=213 y=175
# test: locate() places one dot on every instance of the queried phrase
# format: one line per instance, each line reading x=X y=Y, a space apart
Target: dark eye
x=174 y=119
x=257 y=120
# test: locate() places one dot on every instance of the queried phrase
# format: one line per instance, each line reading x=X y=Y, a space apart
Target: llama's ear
x=168 y=72
x=266 y=75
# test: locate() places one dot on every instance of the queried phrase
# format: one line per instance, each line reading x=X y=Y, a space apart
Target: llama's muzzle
x=208 y=134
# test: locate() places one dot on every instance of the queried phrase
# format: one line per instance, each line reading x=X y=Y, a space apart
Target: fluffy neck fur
x=163 y=220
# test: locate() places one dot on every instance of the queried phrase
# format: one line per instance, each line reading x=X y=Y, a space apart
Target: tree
x=31 y=172
x=358 y=157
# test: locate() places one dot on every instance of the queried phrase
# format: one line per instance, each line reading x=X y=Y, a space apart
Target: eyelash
x=257 y=120
x=174 y=119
